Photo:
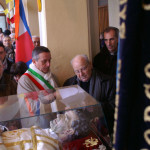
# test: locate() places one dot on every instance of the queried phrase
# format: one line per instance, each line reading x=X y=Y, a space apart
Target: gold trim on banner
x=146 y=136
x=146 y=6
x=122 y=2
x=146 y=70
x=147 y=90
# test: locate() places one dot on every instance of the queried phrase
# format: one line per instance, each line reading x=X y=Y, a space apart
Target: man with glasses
x=98 y=85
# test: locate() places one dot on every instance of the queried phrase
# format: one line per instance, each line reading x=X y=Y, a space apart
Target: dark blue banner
x=132 y=114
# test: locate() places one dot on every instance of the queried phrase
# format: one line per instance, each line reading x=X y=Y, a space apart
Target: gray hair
x=108 y=29
x=35 y=36
x=82 y=56
x=37 y=50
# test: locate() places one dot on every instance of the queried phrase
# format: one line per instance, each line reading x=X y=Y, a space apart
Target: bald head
x=82 y=67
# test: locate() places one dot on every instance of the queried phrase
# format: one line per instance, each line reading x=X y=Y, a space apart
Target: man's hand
x=48 y=98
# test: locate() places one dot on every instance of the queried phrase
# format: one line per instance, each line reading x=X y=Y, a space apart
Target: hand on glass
x=48 y=98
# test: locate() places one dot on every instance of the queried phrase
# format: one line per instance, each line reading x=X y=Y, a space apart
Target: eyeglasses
x=81 y=70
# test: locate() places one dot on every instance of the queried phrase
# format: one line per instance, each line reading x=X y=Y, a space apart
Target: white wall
x=113 y=10
x=42 y=26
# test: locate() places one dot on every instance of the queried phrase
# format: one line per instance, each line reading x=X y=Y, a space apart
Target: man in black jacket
x=98 y=85
x=106 y=60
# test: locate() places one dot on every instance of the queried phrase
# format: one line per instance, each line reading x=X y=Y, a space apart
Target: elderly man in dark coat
x=98 y=85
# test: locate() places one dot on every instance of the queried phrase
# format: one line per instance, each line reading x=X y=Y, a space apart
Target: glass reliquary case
x=67 y=118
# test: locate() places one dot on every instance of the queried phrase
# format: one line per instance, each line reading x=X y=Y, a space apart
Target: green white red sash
x=41 y=83
x=38 y=80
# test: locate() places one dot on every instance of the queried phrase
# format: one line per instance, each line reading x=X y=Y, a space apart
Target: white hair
x=35 y=36
x=82 y=56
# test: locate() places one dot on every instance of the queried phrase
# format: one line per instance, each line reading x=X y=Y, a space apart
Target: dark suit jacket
x=105 y=62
